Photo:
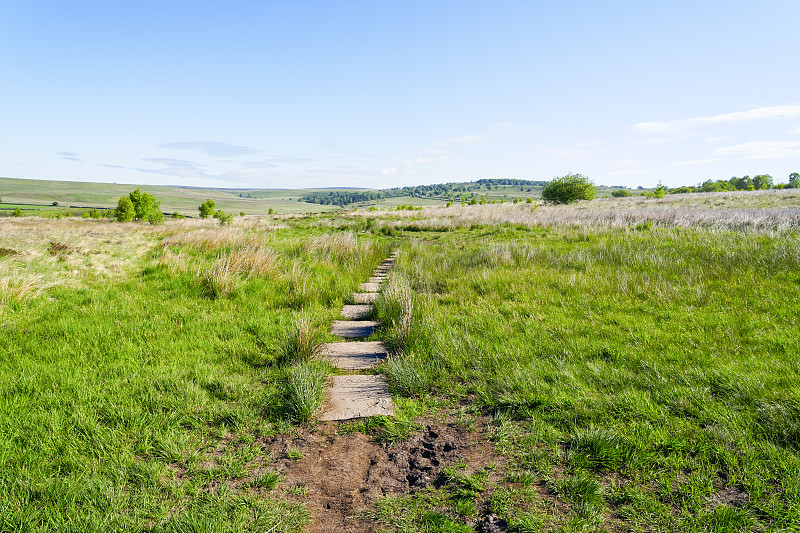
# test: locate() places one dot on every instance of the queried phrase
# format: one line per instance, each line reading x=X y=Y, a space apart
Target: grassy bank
x=641 y=378
x=131 y=397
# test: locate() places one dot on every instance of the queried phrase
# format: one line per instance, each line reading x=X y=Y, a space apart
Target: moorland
x=623 y=364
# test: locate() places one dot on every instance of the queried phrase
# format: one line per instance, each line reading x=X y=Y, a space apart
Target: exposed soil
x=341 y=475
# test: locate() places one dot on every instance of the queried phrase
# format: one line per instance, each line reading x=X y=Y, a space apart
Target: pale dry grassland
x=690 y=210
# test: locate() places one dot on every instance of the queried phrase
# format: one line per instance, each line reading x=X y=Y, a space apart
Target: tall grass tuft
x=220 y=279
x=305 y=389
x=405 y=376
x=396 y=308
x=302 y=342
x=21 y=290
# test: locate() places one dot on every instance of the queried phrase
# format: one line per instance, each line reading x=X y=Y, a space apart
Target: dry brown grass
x=600 y=214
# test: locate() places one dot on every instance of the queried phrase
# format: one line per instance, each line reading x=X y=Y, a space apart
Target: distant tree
x=55 y=204
x=17 y=212
x=207 y=208
x=568 y=189
x=794 y=180
x=124 y=211
x=762 y=182
x=146 y=207
x=223 y=217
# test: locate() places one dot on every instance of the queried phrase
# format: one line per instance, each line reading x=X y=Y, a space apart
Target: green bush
x=223 y=217
x=621 y=193
x=17 y=212
x=207 y=208
x=124 y=211
x=568 y=189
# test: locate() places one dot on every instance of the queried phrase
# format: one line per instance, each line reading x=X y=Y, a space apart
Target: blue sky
x=379 y=94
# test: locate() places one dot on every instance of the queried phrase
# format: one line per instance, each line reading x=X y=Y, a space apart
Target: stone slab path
x=358 y=395
x=356 y=312
x=354 y=329
x=354 y=355
x=364 y=297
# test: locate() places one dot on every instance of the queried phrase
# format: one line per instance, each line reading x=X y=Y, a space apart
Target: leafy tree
x=124 y=211
x=794 y=180
x=568 y=189
x=146 y=207
x=762 y=182
x=207 y=208
x=223 y=217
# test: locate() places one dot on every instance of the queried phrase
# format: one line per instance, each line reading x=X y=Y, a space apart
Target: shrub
x=17 y=212
x=124 y=211
x=568 y=189
x=206 y=208
x=621 y=193
x=223 y=217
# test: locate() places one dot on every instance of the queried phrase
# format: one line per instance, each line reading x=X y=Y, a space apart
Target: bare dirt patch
x=338 y=476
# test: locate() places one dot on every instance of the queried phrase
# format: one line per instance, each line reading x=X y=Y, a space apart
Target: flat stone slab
x=354 y=312
x=354 y=355
x=353 y=329
x=377 y=279
x=356 y=397
x=364 y=297
x=369 y=287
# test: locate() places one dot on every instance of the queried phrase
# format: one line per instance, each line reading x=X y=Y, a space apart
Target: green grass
x=648 y=378
x=116 y=393
x=639 y=376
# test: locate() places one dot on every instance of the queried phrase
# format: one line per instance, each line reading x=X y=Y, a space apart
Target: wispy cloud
x=763 y=149
x=469 y=139
x=175 y=167
x=575 y=151
x=682 y=125
x=69 y=156
x=795 y=130
x=695 y=162
x=211 y=148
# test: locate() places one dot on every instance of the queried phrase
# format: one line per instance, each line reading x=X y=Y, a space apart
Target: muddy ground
x=340 y=476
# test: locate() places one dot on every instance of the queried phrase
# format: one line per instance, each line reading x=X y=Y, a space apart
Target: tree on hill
x=207 y=208
x=124 y=211
x=568 y=189
x=139 y=205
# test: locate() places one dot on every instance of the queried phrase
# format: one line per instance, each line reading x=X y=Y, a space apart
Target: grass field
x=634 y=362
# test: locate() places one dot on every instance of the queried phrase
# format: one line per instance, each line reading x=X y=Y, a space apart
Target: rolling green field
x=634 y=364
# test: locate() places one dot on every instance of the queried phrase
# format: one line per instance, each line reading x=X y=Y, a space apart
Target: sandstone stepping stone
x=357 y=397
x=354 y=312
x=377 y=279
x=354 y=355
x=364 y=297
x=369 y=287
x=353 y=329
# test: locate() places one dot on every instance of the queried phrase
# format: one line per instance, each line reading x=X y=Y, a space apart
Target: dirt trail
x=343 y=475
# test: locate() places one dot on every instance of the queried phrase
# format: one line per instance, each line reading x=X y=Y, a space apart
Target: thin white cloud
x=795 y=130
x=763 y=149
x=389 y=172
x=761 y=113
x=211 y=148
x=694 y=162
x=469 y=139
x=576 y=151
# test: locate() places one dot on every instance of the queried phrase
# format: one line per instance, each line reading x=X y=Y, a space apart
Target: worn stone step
x=351 y=397
x=377 y=279
x=354 y=329
x=364 y=297
x=354 y=355
x=354 y=312
x=369 y=287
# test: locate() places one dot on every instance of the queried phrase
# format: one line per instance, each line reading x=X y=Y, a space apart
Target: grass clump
x=305 y=389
